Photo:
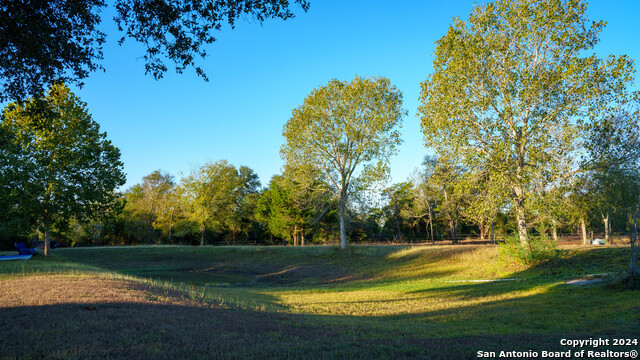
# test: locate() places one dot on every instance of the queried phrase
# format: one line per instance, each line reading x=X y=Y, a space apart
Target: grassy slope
x=372 y=301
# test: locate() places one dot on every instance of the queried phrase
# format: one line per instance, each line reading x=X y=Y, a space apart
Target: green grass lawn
x=321 y=302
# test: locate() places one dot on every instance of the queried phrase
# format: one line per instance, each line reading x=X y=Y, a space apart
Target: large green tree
x=510 y=88
x=44 y=41
x=66 y=166
x=348 y=130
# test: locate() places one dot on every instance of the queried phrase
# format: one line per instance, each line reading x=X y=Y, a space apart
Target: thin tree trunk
x=583 y=228
x=170 y=227
x=397 y=211
x=201 y=237
x=522 y=223
x=482 y=230
x=457 y=225
x=605 y=219
x=343 y=229
x=302 y=237
x=493 y=235
x=295 y=235
x=554 y=230
x=431 y=224
x=634 y=271
x=46 y=235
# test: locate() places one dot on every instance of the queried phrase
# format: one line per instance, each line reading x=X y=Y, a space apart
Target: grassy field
x=313 y=302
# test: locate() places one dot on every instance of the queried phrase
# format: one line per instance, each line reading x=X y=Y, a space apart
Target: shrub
x=541 y=249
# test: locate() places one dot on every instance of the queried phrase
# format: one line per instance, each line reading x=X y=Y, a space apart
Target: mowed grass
x=311 y=302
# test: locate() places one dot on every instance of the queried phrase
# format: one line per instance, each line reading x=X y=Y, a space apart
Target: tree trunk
x=201 y=237
x=482 y=230
x=605 y=219
x=295 y=235
x=583 y=227
x=397 y=211
x=522 y=221
x=302 y=237
x=46 y=236
x=493 y=235
x=431 y=224
x=634 y=269
x=170 y=227
x=343 y=229
x=554 y=230
x=456 y=229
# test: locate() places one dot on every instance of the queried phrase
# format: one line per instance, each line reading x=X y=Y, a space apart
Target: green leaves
x=179 y=30
x=343 y=126
x=62 y=164
x=42 y=42
x=217 y=196
x=511 y=88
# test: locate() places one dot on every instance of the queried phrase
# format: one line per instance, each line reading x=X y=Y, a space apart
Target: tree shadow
x=531 y=314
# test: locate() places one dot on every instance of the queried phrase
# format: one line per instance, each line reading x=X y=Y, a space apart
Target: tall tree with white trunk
x=348 y=130
x=511 y=89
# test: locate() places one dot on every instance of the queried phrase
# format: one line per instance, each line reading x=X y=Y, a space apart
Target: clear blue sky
x=260 y=73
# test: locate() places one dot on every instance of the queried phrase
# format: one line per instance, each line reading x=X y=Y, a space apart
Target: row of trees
x=219 y=203
x=515 y=98
x=523 y=122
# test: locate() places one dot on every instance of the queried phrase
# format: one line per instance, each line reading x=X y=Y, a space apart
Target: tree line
x=531 y=134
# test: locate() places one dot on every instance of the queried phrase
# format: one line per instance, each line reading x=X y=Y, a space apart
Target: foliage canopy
x=58 y=161
x=511 y=90
x=344 y=126
x=47 y=41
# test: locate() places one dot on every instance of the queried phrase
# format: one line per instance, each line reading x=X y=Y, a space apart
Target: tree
x=275 y=209
x=399 y=198
x=447 y=177
x=171 y=214
x=293 y=202
x=241 y=207
x=46 y=41
x=147 y=201
x=511 y=89
x=483 y=200
x=13 y=190
x=425 y=199
x=342 y=127
x=215 y=197
x=614 y=151
x=68 y=167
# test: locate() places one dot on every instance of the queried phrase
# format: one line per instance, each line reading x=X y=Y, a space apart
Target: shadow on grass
x=146 y=331
x=534 y=314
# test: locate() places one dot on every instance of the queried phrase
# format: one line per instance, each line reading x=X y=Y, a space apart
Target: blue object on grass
x=16 y=257
x=23 y=249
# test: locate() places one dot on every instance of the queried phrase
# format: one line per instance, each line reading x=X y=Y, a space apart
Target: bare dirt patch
x=92 y=317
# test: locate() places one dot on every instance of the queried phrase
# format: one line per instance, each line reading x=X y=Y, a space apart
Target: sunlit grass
x=421 y=290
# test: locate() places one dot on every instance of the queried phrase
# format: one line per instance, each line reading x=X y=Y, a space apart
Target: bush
x=541 y=249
